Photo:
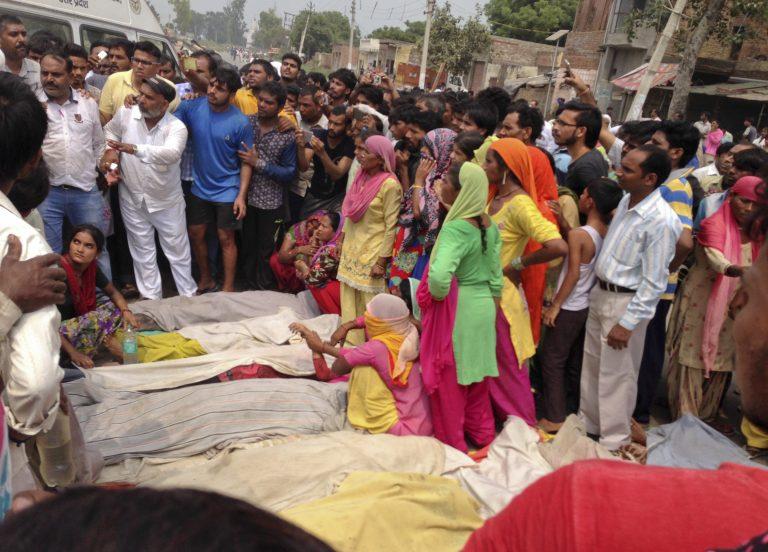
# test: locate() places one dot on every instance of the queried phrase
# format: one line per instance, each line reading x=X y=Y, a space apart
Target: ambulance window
x=34 y=23
x=89 y=35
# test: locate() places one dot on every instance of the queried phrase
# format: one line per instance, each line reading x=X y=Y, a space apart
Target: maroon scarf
x=83 y=289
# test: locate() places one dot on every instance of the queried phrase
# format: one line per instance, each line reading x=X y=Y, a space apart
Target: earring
x=504 y=179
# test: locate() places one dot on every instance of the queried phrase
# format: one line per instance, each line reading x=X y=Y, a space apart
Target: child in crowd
x=561 y=348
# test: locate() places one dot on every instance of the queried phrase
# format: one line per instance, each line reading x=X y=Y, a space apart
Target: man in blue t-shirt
x=220 y=181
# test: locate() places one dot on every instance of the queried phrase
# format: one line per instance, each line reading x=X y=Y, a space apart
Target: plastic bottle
x=130 y=346
x=55 y=448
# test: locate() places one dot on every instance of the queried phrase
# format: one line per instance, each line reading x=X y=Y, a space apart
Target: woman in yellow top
x=513 y=208
x=370 y=209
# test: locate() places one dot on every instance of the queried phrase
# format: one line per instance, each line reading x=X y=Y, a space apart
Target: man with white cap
x=148 y=142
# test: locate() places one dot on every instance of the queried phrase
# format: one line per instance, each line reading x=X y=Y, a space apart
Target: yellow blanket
x=391 y=511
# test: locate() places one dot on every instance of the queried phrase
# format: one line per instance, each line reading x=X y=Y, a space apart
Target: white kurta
x=151 y=198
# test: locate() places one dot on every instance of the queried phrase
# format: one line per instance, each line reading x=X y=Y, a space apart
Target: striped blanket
x=190 y=420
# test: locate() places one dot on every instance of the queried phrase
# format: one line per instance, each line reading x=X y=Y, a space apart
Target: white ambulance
x=86 y=21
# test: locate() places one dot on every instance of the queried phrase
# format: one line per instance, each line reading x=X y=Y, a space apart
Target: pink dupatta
x=721 y=231
x=365 y=187
x=437 y=321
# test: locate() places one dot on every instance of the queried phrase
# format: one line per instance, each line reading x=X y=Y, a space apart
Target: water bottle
x=55 y=448
x=130 y=346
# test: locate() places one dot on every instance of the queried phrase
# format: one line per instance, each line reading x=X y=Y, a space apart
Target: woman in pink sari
x=700 y=343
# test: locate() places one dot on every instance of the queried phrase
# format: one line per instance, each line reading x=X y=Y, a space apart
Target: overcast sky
x=370 y=14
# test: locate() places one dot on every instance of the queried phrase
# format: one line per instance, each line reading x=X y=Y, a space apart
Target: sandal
x=214 y=289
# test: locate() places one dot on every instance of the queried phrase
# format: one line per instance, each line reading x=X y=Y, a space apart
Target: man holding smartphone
x=311 y=122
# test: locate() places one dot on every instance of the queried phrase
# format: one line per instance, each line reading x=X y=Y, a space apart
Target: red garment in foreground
x=328 y=298
x=611 y=505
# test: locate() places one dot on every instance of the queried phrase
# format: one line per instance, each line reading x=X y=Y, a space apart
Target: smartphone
x=308 y=136
x=190 y=64
x=377 y=80
x=567 y=67
x=101 y=55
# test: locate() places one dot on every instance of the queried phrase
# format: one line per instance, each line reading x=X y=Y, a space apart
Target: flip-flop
x=214 y=289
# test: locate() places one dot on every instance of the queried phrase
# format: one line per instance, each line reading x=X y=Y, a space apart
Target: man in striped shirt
x=680 y=140
x=632 y=272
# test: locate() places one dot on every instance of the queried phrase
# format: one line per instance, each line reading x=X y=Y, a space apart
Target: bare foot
x=637 y=433
x=549 y=427
x=114 y=347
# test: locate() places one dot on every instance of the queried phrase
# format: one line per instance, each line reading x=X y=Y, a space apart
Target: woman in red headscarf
x=370 y=211
x=517 y=210
x=699 y=340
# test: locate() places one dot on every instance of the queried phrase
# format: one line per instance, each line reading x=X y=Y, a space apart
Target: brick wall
x=510 y=51
x=582 y=49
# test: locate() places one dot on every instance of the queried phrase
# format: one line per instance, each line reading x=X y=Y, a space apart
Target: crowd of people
x=485 y=262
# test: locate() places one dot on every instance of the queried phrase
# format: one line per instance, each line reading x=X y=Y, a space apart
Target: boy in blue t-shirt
x=219 y=190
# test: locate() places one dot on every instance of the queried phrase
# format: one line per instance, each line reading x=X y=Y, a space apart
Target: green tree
x=531 y=20
x=413 y=32
x=183 y=20
x=234 y=13
x=325 y=28
x=729 y=22
x=270 y=33
x=454 y=43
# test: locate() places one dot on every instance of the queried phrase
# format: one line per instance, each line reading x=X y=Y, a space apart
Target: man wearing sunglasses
x=145 y=62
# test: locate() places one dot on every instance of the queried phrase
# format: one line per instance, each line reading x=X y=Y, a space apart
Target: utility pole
x=351 y=35
x=636 y=109
x=304 y=32
x=425 y=48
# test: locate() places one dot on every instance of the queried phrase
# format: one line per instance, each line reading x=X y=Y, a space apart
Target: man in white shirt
x=632 y=272
x=29 y=352
x=703 y=126
x=148 y=143
x=13 y=43
x=711 y=176
x=73 y=145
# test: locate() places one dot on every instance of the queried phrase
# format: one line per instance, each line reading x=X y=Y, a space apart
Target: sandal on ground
x=214 y=289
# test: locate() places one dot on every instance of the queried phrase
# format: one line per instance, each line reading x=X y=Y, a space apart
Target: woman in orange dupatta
x=517 y=210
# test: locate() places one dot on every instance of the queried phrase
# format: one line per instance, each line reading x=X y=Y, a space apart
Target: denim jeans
x=79 y=207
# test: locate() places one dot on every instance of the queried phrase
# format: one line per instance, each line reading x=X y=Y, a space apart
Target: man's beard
x=147 y=114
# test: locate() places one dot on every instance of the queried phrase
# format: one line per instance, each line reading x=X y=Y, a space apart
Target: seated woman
x=386 y=394
x=87 y=321
x=297 y=244
x=319 y=272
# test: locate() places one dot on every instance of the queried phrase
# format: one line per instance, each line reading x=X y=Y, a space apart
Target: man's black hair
x=148 y=48
x=269 y=69
x=528 y=117
x=294 y=57
x=496 y=96
x=310 y=90
x=606 y=194
x=484 y=115
x=41 y=41
x=589 y=117
x=344 y=76
x=59 y=54
x=97 y=44
x=126 y=45
x=425 y=120
x=165 y=59
x=292 y=90
x=372 y=94
x=23 y=124
x=229 y=78
x=276 y=90
x=751 y=160
x=30 y=191
x=9 y=19
x=638 y=132
x=750 y=119
x=682 y=134
x=401 y=113
x=724 y=148
x=339 y=110
x=319 y=78
x=75 y=50
x=656 y=162
x=468 y=142
x=212 y=63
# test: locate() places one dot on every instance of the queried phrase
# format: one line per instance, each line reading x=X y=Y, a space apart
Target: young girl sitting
x=386 y=394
